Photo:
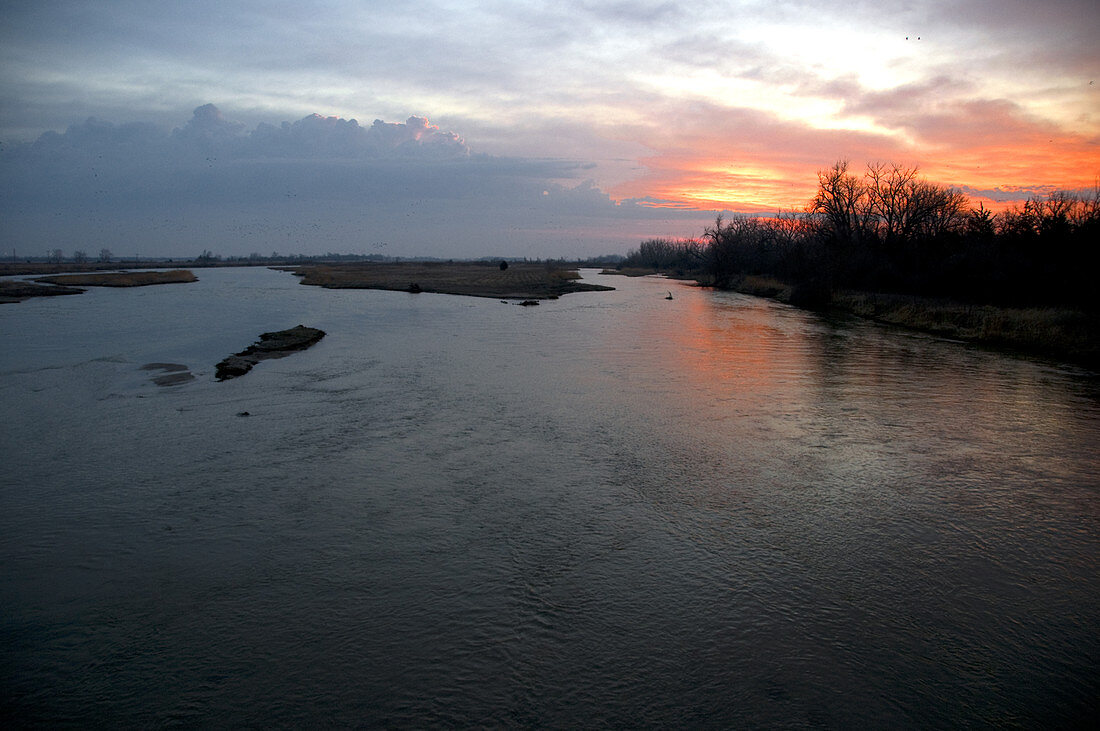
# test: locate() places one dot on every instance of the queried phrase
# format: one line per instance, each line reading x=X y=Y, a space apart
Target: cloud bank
x=317 y=185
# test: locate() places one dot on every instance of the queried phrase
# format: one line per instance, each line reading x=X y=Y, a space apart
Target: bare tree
x=843 y=201
x=895 y=198
x=105 y=255
x=889 y=206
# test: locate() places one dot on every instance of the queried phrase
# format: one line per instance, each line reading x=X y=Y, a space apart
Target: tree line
x=888 y=230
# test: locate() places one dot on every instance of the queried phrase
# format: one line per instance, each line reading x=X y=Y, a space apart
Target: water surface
x=608 y=510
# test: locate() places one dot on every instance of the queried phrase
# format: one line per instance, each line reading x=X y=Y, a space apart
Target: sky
x=568 y=128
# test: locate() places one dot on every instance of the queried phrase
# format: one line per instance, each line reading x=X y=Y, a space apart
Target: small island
x=271 y=345
x=121 y=279
x=518 y=281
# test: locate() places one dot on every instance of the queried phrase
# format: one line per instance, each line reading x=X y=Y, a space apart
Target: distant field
x=518 y=281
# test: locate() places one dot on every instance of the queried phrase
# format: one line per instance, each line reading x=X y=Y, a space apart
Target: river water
x=613 y=509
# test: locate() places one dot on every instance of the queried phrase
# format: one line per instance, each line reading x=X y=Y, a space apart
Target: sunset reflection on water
x=611 y=510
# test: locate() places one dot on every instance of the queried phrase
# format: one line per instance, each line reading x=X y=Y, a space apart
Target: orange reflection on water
x=724 y=344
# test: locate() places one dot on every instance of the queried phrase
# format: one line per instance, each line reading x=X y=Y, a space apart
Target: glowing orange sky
x=763 y=174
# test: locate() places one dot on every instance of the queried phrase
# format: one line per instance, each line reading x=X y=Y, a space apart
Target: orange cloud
x=741 y=159
x=752 y=161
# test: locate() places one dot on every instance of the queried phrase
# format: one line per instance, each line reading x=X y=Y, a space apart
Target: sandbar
x=270 y=345
x=17 y=291
x=122 y=279
x=173 y=374
x=519 y=280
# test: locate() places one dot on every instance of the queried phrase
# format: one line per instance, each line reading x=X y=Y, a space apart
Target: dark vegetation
x=918 y=247
x=270 y=345
x=16 y=291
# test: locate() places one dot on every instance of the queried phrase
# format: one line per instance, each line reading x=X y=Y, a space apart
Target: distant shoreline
x=63 y=284
x=1060 y=333
x=121 y=279
x=517 y=281
x=66 y=268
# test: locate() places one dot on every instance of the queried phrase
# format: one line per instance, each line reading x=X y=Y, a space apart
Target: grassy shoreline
x=1056 y=332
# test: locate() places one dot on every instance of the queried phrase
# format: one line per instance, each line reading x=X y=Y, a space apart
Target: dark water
x=609 y=510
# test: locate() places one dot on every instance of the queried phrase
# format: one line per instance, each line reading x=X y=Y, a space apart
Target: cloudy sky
x=561 y=128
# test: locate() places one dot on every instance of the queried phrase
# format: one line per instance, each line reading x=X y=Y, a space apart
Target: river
x=613 y=509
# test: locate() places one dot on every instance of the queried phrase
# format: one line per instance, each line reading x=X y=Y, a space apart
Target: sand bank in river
x=122 y=279
x=270 y=345
x=16 y=291
x=172 y=374
x=521 y=280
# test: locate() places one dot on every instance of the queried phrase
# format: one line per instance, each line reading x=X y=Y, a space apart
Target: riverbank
x=1055 y=332
x=1048 y=331
x=520 y=281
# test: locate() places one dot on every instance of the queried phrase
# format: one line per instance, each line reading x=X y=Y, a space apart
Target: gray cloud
x=319 y=184
x=209 y=131
x=632 y=12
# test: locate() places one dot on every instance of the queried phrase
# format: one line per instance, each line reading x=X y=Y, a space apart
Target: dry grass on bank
x=762 y=286
x=1049 y=330
x=1057 y=332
